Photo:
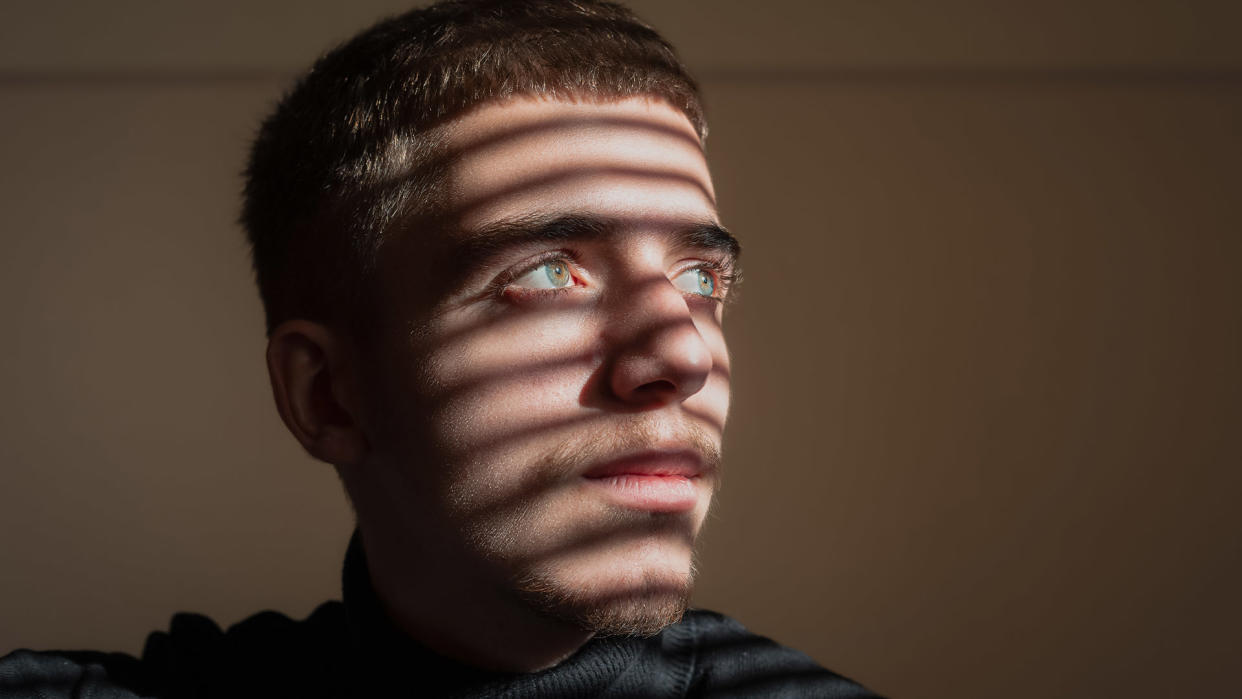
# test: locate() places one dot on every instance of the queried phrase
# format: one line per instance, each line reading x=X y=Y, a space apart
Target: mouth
x=654 y=480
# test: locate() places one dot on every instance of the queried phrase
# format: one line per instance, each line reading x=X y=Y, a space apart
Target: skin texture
x=464 y=426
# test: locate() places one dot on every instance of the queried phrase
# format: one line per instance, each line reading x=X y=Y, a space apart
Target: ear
x=315 y=388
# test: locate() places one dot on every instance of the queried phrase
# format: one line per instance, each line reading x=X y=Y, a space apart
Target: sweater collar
x=390 y=656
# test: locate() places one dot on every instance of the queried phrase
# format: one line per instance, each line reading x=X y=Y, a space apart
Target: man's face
x=546 y=404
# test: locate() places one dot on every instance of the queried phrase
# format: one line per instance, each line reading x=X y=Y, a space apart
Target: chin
x=618 y=593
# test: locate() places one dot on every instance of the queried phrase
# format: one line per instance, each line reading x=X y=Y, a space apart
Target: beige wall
x=987 y=357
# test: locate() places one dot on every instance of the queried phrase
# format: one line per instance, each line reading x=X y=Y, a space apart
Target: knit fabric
x=350 y=649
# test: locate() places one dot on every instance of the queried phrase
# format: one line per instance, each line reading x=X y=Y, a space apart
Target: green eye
x=557 y=272
x=553 y=274
x=696 y=281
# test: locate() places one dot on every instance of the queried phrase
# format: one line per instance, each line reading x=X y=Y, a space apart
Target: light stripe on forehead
x=500 y=235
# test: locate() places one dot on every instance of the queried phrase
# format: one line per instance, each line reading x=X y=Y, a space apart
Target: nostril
x=657 y=389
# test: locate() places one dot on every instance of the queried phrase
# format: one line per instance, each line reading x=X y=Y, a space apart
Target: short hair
x=352 y=151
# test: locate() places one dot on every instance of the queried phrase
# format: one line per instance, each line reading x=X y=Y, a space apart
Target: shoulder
x=194 y=657
x=27 y=674
x=267 y=654
x=730 y=661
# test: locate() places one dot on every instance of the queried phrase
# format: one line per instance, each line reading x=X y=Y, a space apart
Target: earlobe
x=312 y=383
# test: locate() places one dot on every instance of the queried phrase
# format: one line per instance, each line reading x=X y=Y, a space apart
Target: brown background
x=987 y=357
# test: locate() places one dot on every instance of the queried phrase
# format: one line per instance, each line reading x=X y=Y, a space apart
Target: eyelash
x=724 y=275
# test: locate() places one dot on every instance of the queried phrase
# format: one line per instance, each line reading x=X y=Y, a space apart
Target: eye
x=696 y=280
x=552 y=274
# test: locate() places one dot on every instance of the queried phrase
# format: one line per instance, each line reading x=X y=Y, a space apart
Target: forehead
x=637 y=157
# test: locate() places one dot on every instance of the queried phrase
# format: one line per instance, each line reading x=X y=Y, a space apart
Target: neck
x=463 y=614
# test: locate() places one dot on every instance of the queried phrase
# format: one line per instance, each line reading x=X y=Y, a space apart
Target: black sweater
x=350 y=649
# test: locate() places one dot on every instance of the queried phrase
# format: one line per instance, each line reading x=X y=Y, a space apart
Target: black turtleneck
x=351 y=649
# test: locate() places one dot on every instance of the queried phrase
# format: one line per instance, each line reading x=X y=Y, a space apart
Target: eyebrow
x=481 y=243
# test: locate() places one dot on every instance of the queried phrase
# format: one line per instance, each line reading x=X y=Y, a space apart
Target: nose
x=658 y=354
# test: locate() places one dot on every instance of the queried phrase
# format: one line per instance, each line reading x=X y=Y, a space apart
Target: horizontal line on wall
x=863 y=74
x=159 y=78
x=978 y=75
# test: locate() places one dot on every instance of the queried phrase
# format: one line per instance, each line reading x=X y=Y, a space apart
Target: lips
x=663 y=462
x=656 y=480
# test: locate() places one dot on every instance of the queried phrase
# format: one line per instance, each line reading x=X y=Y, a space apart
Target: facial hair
x=630 y=602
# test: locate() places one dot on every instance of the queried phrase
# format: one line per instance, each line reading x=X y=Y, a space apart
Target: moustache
x=578 y=454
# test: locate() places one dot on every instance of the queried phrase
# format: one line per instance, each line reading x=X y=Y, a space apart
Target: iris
x=558 y=273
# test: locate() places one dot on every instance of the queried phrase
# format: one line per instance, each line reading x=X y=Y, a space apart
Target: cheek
x=504 y=385
x=508 y=410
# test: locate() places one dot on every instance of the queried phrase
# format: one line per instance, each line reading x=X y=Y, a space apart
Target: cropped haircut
x=353 y=152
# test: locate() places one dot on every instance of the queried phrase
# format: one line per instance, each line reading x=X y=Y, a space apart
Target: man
x=487 y=244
